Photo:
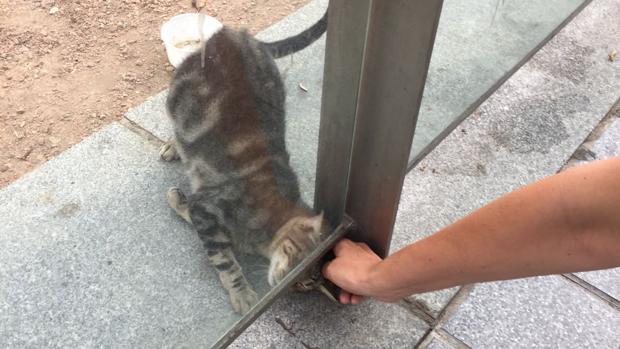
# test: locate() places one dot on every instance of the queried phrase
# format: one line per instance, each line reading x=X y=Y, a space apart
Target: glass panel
x=253 y=169
x=477 y=44
x=292 y=241
x=99 y=251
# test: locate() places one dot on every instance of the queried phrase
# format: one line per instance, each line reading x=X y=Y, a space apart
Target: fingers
x=326 y=270
x=348 y=254
x=346 y=245
x=355 y=299
x=345 y=297
x=349 y=298
x=365 y=247
x=342 y=246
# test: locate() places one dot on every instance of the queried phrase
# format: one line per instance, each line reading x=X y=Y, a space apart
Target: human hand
x=352 y=270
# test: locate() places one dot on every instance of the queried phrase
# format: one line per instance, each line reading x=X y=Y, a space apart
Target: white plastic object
x=181 y=35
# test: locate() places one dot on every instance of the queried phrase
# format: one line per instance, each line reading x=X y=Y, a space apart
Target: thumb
x=326 y=270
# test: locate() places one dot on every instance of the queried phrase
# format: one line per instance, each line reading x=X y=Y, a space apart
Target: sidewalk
x=93 y=257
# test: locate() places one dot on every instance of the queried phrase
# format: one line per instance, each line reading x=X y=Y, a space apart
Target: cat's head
x=293 y=241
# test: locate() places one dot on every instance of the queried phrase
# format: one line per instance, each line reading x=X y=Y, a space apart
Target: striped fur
x=229 y=129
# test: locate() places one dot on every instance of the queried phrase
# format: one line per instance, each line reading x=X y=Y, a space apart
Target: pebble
x=4 y=168
x=54 y=141
x=54 y=10
x=24 y=155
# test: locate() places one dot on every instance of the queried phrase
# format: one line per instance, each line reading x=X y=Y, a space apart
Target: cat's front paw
x=243 y=300
x=168 y=152
x=176 y=198
x=178 y=202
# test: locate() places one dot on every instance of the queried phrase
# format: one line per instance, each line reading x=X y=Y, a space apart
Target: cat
x=229 y=125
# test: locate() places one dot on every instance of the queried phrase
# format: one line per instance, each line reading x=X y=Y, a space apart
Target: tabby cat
x=229 y=125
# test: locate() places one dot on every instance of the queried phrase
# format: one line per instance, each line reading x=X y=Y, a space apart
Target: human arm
x=564 y=223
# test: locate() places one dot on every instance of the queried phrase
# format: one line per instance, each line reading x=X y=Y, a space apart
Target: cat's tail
x=298 y=42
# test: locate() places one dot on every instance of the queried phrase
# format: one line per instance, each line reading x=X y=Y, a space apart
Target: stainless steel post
x=399 y=40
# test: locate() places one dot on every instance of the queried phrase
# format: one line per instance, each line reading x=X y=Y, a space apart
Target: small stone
x=54 y=140
x=24 y=154
x=54 y=10
x=4 y=168
x=21 y=111
x=169 y=68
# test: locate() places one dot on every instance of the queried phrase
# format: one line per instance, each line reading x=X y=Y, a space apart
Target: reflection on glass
x=249 y=183
x=477 y=43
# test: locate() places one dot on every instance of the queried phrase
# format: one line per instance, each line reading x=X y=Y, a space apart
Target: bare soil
x=67 y=68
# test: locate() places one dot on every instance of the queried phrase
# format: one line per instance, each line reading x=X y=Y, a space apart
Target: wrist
x=379 y=284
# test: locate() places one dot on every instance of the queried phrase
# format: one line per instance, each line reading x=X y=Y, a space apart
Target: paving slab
x=542 y=312
x=151 y=115
x=608 y=143
x=438 y=339
x=434 y=302
x=310 y=321
x=525 y=131
x=438 y=344
x=603 y=144
x=93 y=257
x=607 y=281
x=435 y=344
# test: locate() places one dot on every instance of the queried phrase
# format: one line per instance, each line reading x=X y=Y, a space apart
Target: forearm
x=564 y=223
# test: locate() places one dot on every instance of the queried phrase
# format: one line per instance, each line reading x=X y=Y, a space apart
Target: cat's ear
x=317 y=221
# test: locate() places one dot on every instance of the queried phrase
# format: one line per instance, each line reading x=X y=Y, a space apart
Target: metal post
x=344 y=52
x=399 y=41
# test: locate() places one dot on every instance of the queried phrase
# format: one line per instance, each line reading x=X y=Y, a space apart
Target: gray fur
x=229 y=129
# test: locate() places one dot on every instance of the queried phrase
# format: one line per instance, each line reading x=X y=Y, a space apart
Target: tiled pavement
x=92 y=256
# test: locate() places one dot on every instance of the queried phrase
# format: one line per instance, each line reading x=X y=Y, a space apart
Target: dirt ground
x=69 y=67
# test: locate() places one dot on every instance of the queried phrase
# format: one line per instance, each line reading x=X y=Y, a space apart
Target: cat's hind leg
x=168 y=151
x=219 y=251
x=178 y=202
